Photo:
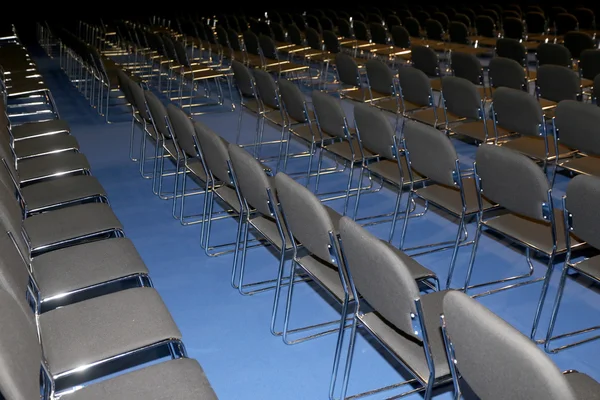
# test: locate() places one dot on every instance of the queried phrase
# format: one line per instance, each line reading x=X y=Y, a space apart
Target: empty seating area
x=377 y=202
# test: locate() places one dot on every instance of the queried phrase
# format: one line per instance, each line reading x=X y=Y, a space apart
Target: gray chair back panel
x=329 y=113
x=504 y=72
x=347 y=69
x=553 y=54
x=517 y=111
x=214 y=151
x=557 y=83
x=293 y=100
x=512 y=180
x=139 y=101
x=251 y=179
x=415 y=85
x=467 y=66
x=380 y=276
x=425 y=59
x=376 y=131
x=461 y=97
x=14 y=278
x=381 y=77
x=11 y=215
x=431 y=152
x=496 y=360
x=583 y=197
x=183 y=129
x=305 y=215
x=577 y=125
x=123 y=80
x=243 y=78
x=267 y=88
x=158 y=113
x=20 y=353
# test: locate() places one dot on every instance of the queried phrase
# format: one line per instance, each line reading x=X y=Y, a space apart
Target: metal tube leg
x=277 y=294
x=238 y=239
x=541 y=301
x=461 y=225
x=358 y=191
x=395 y=215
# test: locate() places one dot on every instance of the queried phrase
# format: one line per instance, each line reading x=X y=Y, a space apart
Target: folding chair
x=519 y=185
x=497 y=362
x=403 y=321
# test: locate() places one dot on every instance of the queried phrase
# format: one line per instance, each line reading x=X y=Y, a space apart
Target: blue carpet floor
x=229 y=333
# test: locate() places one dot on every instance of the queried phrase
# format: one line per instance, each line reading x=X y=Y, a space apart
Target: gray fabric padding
x=425 y=59
x=584 y=386
x=251 y=42
x=214 y=151
x=381 y=77
x=293 y=100
x=183 y=129
x=583 y=197
x=512 y=180
x=329 y=113
x=558 y=83
x=553 y=54
x=380 y=276
x=589 y=63
x=461 y=97
x=38 y=168
x=33 y=129
x=577 y=125
x=139 y=100
x=243 y=78
x=511 y=48
x=431 y=153
x=307 y=218
x=63 y=190
x=103 y=327
x=158 y=112
x=45 y=145
x=86 y=264
x=181 y=379
x=267 y=88
x=467 y=66
x=11 y=217
x=347 y=69
x=517 y=111
x=20 y=353
x=251 y=179
x=375 y=130
x=415 y=86
x=14 y=277
x=504 y=72
x=496 y=360
x=267 y=46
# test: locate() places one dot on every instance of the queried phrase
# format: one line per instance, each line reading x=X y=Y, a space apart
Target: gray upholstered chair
x=555 y=83
x=520 y=186
x=580 y=219
x=497 y=362
x=403 y=320
x=384 y=90
x=452 y=188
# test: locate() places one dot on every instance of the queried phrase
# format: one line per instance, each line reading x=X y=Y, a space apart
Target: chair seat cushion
x=61 y=191
x=584 y=386
x=181 y=379
x=34 y=129
x=43 y=167
x=45 y=145
x=103 y=327
x=78 y=267
x=66 y=224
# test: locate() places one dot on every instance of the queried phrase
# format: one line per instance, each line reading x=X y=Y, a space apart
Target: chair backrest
x=434 y=29
x=517 y=111
x=589 y=63
x=577 y=42
x=511 y=48
x=360 y=30
x=558 y=83
x=267 y=88
x=513 y=181
x=426 y=60
x=458 y=32
x=14 y=275
x=123 y=80
x=11 y=215
x=565 y=23
x=293 y=100
x=381 y=77
x=485 y=26
x=582 y=197
x=158 y=112
x=415 y=86
x=513 y=27
x=251 y=43
x=496 y=360
x=467 y=66
x=463 y=18
x=332 y=44
x=251 y=178
x=267 y=46
x=182 y=128
x=20 y=353
x=243 y=79
x=461 y=97
x=347 y=69
x=378 y=33
x=234 y=40
x=330 y=115
x=505 y=72
x=344 y=28
x=424 y=144
x=536 y=22
x=313 y=38
x=305 y=216
x=214 y=151
x=400 y=37
x=380 y=276
x=413 y=27
x=139 y=100
x=553 y=54
x=577 y=125
x=376 y=131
